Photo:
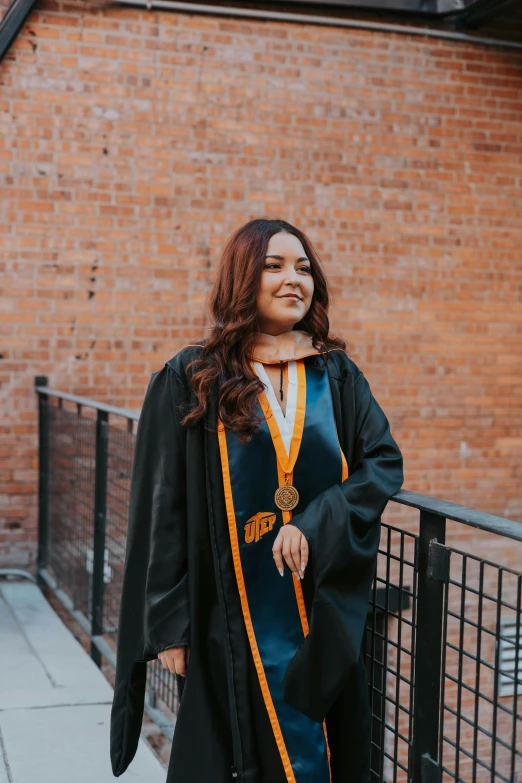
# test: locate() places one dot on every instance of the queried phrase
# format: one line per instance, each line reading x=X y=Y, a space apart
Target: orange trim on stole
x=285 y=464
x=265 y=690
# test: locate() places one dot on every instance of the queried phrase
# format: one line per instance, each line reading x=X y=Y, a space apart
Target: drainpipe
x=13 y=22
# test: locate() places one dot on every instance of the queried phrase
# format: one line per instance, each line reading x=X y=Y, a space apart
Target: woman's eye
x=277 y=266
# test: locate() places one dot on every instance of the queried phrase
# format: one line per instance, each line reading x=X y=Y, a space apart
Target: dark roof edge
x=463 y=12
x=314 y=19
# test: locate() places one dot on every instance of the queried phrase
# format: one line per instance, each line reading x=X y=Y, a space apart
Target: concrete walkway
x=54 y=701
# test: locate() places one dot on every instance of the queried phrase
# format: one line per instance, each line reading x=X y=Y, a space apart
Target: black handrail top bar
x=127 y=413
x=467 y=516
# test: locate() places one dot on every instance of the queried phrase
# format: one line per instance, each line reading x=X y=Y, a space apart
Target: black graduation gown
x=179 y=588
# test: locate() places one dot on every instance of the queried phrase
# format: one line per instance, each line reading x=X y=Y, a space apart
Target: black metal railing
x=443 y=636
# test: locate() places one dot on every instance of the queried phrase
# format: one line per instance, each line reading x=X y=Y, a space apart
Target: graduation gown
x=180 y=588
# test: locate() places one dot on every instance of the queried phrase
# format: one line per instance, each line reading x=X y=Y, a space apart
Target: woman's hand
x=175 y=659
x=291 y=544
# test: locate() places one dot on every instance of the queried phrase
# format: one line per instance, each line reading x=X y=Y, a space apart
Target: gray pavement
x=54 y=701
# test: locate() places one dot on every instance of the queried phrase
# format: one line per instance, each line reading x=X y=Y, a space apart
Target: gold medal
x=286 y=496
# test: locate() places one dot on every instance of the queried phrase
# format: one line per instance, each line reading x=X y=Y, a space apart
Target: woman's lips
x=291 y=296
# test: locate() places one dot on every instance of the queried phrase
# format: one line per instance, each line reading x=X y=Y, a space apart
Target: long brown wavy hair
x=223 y=363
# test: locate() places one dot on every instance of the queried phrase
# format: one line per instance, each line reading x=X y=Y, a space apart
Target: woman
x=262 y=466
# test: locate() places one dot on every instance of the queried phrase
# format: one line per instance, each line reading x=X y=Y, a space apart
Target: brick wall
x=134 y=142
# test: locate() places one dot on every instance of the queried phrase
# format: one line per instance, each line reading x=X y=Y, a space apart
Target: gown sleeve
x=154 y=609
x=342 y=526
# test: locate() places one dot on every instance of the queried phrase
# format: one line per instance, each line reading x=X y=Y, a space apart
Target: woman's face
x=287 y=270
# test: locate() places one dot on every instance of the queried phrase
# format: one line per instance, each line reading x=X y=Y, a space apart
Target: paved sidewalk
x=54 y=701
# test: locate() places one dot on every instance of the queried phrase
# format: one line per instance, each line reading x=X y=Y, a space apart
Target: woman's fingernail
x=281 y=571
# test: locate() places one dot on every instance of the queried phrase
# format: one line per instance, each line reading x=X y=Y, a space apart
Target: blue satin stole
x=274 y=610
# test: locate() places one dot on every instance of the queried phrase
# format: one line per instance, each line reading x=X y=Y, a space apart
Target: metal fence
x=443 y=635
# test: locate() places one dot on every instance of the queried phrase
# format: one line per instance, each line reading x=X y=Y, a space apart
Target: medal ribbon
x=286 y=461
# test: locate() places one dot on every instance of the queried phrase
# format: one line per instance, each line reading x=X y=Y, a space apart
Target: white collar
x=285 y=421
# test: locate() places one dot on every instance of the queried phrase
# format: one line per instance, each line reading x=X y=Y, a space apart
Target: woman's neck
x=276 y=333
x=292 y=344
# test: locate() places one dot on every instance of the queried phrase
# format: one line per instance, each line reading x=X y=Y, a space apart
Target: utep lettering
x=258 y=525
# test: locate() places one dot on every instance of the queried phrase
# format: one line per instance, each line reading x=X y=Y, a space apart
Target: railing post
x=100 y=510
x=425 y=766
x=43 y=478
